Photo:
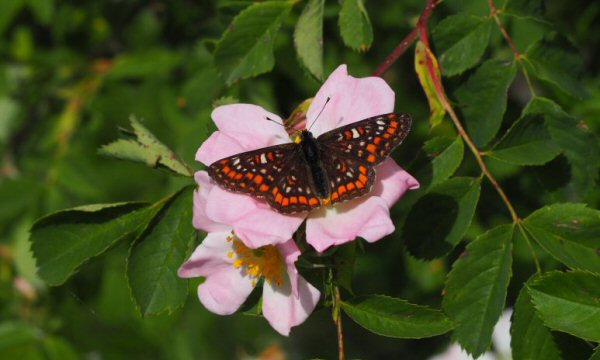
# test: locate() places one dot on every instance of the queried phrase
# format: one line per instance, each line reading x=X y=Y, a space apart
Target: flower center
x=264 y=261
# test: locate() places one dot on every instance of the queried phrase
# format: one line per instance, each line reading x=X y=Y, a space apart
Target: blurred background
x=71 y=73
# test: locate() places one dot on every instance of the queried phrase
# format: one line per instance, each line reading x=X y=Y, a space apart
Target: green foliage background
x=72 y=72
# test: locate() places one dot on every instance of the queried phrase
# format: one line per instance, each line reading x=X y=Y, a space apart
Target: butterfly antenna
x=268 y=118
x=320 y=112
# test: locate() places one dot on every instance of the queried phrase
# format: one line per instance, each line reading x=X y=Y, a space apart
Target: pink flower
x=232 y=270
x=243 y=127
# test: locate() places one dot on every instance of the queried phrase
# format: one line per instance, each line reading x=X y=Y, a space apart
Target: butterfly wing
x=292 y=191
x=253 y=172
x=369 y=141
x=348 y=178
x=276 y=173
x=349 y=153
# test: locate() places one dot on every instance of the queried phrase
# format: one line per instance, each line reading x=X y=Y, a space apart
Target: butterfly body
x=311 y=172
x=311 y=152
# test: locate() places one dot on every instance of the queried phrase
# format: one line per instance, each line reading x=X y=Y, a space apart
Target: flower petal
x=367 y=217
x=218 y=146
x=247 y=124
x=225 y=291
x=283 y=310
x=253 y=221
x=350 y=99
x=392 y=182
x=209 y=257
x=290 y=253
x=200 y=219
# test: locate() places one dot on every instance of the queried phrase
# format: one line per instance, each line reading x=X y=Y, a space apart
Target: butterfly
x=312 y=172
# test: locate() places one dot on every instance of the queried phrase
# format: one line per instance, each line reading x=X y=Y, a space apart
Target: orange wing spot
x=270 y=156
x=362 y=169
x=371 y=148
x=371 y=158
x=263 y=188
x=348 y=134
x=361 y=130
x=344 y=167
x=242 y=185
x=313 y=201
x=359 y=184
x=387 y=136
x=226 y=169
x=363 y=178
x=251 y=188
x=223 y=162
x=334 y=196
x=285 y=202
x=231 y=174
x=239 y=176
x=391 y=130
x=303 y=200
x=249 y=175
x=394 y=124
x=258 y=179
x=391 y=116
x=275 y=191
x=293 y=200
x=279 y=198
x=257 y=159
x=342 y=189
x=350 y=186
x=376 y=140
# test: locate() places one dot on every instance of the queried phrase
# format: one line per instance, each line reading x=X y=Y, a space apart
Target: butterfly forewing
x=253 y=172
x=370 y=140
x=348 y=178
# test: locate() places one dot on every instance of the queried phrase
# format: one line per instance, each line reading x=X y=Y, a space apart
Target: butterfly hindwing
x=370 y=140
x=348 y=178
x=253 y=172
x=292 y=191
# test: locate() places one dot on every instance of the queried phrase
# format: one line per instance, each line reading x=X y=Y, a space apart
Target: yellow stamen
x=262 y=262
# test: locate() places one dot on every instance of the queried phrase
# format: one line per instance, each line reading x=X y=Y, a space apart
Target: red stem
x=408 y=40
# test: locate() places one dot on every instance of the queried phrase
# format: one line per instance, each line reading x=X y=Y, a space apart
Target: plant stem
x=338 y=323
x=479 y=158
x=408 y=39
x=518 y=56
x=538 y=268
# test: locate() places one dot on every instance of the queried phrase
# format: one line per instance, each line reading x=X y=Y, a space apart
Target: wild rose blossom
x=232 y=270
x=242 y=127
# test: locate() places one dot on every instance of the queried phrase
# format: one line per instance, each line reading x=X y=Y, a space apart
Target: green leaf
x=8 y=10
x=529 y=338
x=439 y=220
x=527 y=142
x=246 y=48
x=482 y=99
x=157 y=254
x=308 y=37
x=476 y=288
x=427 y=68
x=580 y=146
x=345 y=258
x=569 y=232
x=569 y=302
x=355 y=25
x=64 y=240
x=557 y=62
x=447 y=157
x=527 y=9
x=596 y=354
x=42 y=9
x=396 y=318
x=461 y=40
x=144 y=147
x=17 y=196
